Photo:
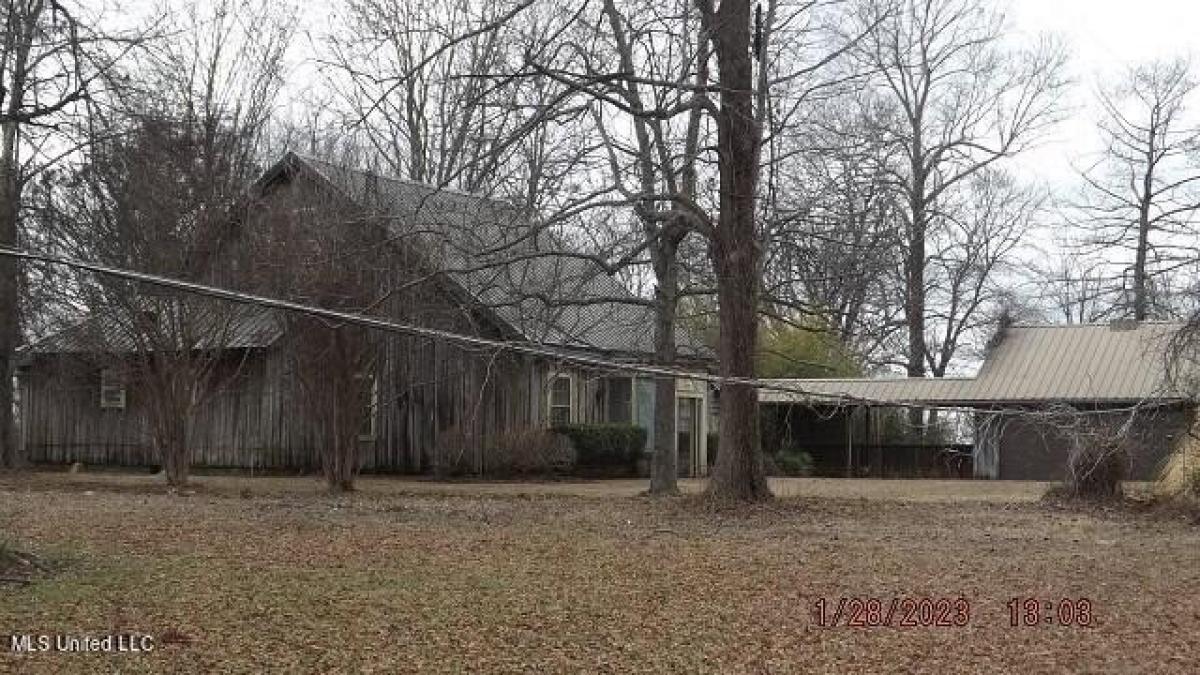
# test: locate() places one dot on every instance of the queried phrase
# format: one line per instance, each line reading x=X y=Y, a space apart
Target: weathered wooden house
x=461 y=263
x=1040 y=388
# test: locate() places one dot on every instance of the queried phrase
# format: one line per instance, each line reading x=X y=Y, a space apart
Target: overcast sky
x=1104 y=36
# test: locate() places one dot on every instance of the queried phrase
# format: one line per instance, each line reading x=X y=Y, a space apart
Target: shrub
x=605 y=445
x=1096 y=469
x=452 y=454
x=528 y=451
x=1192 y=487
x=522 y=451
x=790 y=462
x=1180 y=475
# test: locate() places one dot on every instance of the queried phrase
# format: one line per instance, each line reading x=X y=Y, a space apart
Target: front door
x=687 y=435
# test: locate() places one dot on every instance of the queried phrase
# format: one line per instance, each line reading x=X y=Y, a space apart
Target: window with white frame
x=112 y=390
x=561 y=396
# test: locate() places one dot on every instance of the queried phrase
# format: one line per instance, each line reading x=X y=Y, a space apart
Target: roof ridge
x=1097 y=324
x=396 y=179
x=956 y=378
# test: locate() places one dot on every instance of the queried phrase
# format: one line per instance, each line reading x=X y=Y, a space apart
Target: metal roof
x=893 y=390
x=240 y=327
x=532 y=281
x=1122 y=362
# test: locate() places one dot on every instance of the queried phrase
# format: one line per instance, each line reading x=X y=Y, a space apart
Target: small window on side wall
x=560 y=400
x=112 y=390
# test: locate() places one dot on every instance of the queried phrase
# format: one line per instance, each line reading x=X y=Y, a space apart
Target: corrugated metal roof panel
x=894 y=390
x=243 y=327
x=1090 y=362
x=1096 y=363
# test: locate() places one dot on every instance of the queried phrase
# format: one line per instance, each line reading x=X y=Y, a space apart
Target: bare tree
x=681 y=128
x=156 y=192
x=662 y=174
x=659 y=75
x=659 y=83
x=1073 y=288
x=969 y=260
x=435 y=92
x=298 y=252
x=1141 y=196
x=734 y=244
x=52 y=57
x=493 y=110
x=958 y=101
x=833 y=244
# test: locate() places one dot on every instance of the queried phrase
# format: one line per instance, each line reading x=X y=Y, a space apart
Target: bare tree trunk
x=736 y=254
x=177 y=461
x=10 y=454
x=17 y=45
x=914 y=291
x=664 y=469
x=10 y=196
x=340 y=456
x=1140 y=303
x=172 y=442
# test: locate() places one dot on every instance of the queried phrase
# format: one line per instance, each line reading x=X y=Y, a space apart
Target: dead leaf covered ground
x=269 y=575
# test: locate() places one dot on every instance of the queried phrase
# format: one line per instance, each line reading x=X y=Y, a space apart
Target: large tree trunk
x=739 y=472
x=914 y=270
x=13 y=95
x=664 y=467
x=10 y=453
x=10 y=199
x=914 y=282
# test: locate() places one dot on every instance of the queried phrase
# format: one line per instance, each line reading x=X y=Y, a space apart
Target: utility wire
x=526 y=347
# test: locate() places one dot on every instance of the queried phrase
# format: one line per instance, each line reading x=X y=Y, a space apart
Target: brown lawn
x=269 y=575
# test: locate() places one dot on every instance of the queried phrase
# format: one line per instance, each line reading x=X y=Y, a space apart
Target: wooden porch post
x=850 y=444
x=871 y=453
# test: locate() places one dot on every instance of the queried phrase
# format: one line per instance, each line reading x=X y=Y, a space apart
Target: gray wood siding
x=439 y=403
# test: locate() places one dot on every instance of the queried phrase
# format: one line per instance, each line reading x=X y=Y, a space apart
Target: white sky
x=1104 y=37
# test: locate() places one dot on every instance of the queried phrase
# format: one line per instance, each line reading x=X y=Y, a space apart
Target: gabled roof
x=542 y=289
x=1121 y=362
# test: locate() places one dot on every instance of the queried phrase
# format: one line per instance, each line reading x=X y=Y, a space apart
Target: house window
x=560 y=400
x=619 y=403
x=369 y=395
x=112 y=390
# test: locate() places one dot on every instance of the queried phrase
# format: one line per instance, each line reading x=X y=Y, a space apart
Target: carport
x=1094 y=375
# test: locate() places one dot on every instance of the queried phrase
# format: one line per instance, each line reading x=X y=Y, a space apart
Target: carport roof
x=1119 y=362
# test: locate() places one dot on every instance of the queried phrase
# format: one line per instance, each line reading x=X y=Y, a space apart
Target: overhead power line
x=564 y=355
